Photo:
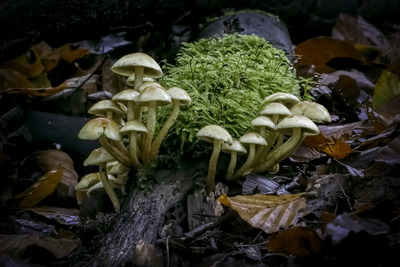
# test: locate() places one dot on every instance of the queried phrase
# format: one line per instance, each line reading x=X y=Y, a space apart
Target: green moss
x=227 y=79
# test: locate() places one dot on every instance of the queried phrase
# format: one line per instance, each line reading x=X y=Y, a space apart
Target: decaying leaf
x=391 y=153
x=386 y=87
x=42 y=188
x=344 y=224
x=266 y=212
x=297 y=241
x=60 y=246
x=49 y=160
x=319 y=55
x=61 y=215
x=146 y=255
x=333 y=147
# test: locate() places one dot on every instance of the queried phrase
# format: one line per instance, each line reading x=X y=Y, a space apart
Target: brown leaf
x=296 y=241
x=146 y=255
x=317 y=55
x=11 y=78
x=266 y=212
x=42 y=188
x=49 y=160
x=391 y=153
x=347 y=90
x=60 y=246
x=333 y=147
x=28 y=64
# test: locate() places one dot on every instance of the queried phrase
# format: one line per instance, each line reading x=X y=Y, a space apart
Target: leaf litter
x=340 y=187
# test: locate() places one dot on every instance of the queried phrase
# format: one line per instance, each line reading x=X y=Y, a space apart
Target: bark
x=143 y=215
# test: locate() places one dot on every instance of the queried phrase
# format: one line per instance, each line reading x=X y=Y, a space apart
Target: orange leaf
x=292 y=241
x=317 y=53
x=28 y=64
x=70 y=55
x=267 y=212
x=42 y=188
x=333 y=147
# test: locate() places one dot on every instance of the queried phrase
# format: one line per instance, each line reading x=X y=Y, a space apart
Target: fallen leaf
x=266 y=212
x=347 y=91
x=49 y=160
x=42 y=188
x=28 y=64
x=344 y=224
x=319 y=55
x=333 y=147
x=61 y=215
x=146 y=254
x=391 y=153
x=60 y=246
x=386 y=87
x=13 y=79
x=359 y=31
x=296 y=241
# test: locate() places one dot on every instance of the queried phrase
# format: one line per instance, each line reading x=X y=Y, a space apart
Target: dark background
x=24 y=23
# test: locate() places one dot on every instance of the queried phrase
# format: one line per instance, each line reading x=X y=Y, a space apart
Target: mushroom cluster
x=125 y=125
x=283 y=124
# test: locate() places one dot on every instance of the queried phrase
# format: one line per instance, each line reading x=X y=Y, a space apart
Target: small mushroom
x=100 y=157
x=108 y=109
x=107 y=132
x=286 y=99
x=251 y=139
x=179 y=98
x=128 y=97
x=298 y=127
x=312 y=110
x=137 y=65
x=152 y=97
x=132 y=128
x=216 y=135
x=235 y=149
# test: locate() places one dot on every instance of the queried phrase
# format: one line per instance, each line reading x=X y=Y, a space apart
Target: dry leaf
x=13 y=79
x=333 y=147
x=60 y=246
x=386 y=87
x=42 y=188
x=61 y=215
x=266 y=212
x=28 y=64
x=318 y=55
x=146 y=254
x=296 y=241
x=49 y=160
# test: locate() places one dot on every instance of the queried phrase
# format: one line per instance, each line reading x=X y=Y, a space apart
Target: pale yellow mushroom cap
x=126 y=65
x=307 y=126
x=253 y=138
x=211 y=132
x=94 y=128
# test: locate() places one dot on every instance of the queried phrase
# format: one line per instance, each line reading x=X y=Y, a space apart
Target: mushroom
x=127 y=96
x=137 y=65
x=130 y=81
x=252 y=139
x=179 y=98
x=216 y=135
x=88 y=181
x=100 y=157
x=235 y=149
x=312 y=110
x=107 y=132
x=296 y=125
x=263 y=123
x=152 y=97
x=108 y=109
x=132 y=128
x=286 y=99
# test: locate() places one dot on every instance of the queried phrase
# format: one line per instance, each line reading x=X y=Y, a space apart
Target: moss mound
x=227 y=79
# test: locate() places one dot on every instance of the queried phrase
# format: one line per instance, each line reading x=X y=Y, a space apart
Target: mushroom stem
x=212 y=167
x=130 y=113
x=155 y=146
x=116 y=149
x=282 y=152
x=133 y=150
x=232 y=165
x=108 y=186
x=151 y=125
x=262 y=151
x=139 y=72
x=248 y=163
